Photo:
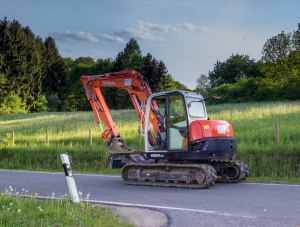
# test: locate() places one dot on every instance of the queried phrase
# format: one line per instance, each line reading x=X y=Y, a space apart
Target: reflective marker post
x=69 y=177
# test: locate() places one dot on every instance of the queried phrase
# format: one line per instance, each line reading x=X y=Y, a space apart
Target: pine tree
x=150 y=71
x=162 y=73
x=55 y=78
x=129 y=58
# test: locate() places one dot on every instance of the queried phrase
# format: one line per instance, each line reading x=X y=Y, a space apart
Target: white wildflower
x=87 y=196
x=19 y=210
x=11 y=204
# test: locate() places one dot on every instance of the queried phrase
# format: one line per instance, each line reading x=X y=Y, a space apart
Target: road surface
x=243 y=204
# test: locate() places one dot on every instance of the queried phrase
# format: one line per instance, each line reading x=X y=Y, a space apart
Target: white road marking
x=169 y=208
x=148 y=206
x=59 y=173
x=273 y=184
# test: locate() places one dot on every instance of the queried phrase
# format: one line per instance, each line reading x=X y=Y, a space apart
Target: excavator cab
x=176 y=110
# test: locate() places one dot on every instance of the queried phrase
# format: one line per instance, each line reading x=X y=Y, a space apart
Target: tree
x=296 y=39
x=162 y=74
x=234 y=67
x=19 y=53
x=277 y=48
x=203 y=83
x=55 y=80
x=129 y=58
x=280 y=57
x=149 y=70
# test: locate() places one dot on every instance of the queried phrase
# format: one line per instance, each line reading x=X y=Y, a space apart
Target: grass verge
x=35 y=212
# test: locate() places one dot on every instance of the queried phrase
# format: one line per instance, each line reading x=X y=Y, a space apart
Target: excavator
x=183 y=147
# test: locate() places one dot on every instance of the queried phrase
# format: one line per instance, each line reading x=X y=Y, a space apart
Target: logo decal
x=127 y=82
x=109 y=83
x=157 y=155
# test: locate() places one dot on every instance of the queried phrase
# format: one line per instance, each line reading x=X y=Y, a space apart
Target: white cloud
x=142 y=30
x=150 y=32
x=192 y=27
x=112 y=38
x=138 y=34
x=148 y=26
x=85 y=36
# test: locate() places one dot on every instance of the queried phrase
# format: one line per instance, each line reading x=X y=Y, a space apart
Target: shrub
x=12 y=104
x=40 y=105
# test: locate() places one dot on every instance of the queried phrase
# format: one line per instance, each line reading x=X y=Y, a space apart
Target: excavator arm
x=137 y=88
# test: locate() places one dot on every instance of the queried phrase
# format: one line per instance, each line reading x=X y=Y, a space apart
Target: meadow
x=68 y=132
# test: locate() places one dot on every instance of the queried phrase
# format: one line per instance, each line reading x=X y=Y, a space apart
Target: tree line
x=34 y=77
x=276 y=76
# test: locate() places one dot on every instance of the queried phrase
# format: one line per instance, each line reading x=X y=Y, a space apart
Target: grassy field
x=34 y=212
x=68 y=132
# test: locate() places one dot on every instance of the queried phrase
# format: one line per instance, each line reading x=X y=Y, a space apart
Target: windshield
x=196 y=107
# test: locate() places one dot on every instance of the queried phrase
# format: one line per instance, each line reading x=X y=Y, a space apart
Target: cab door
x=177 y=122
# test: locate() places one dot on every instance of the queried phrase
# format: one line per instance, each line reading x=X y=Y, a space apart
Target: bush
x=54 y=103
x=248 y=89
x=40 y=105
x=12 y=104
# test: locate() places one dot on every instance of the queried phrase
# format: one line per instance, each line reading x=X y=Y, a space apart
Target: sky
x=188 y=36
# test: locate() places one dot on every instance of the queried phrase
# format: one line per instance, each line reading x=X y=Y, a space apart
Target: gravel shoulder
x=141 y=217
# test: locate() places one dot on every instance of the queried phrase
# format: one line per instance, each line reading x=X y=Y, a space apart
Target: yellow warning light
x=152 y=116
x=147 y=174
x=205 y=126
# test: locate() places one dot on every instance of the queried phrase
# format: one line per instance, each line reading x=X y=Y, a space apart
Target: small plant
x=7 y=140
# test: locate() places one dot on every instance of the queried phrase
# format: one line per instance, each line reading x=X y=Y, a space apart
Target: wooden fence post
x=277 y=131
x=47 y=137
x=90 y=137
x=13 y=138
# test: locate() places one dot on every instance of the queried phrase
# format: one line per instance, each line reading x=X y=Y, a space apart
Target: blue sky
x=189 y=36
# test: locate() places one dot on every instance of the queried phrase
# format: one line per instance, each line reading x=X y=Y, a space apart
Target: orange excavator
x=183 y=148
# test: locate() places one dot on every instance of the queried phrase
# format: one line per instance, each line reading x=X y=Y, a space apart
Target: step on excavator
x=183 y=148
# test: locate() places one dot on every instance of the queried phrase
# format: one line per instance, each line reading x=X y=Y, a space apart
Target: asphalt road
x=243 y=204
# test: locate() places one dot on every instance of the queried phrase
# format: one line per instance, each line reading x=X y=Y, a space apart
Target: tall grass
x=253 y=125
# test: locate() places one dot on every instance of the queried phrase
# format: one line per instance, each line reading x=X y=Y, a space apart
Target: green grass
x=34 y=212
x=253 y=125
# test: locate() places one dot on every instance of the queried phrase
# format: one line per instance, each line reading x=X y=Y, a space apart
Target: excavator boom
x=131 y=81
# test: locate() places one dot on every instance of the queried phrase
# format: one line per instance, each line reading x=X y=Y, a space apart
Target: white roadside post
x=69 y=177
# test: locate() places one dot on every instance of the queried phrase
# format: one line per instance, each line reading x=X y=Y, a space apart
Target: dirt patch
x=142 y=217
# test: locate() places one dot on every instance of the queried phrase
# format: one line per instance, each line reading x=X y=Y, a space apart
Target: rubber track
x=243 y=172
x=208 y=170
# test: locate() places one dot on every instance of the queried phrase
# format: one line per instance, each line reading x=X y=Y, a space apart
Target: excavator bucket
x=117 y=145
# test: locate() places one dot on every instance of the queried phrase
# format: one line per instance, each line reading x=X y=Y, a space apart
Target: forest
x=34 y=77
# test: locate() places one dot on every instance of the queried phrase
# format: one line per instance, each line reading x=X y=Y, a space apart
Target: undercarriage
x=137 y=169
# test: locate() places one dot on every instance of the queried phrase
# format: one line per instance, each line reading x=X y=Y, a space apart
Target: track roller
x=169 y=175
